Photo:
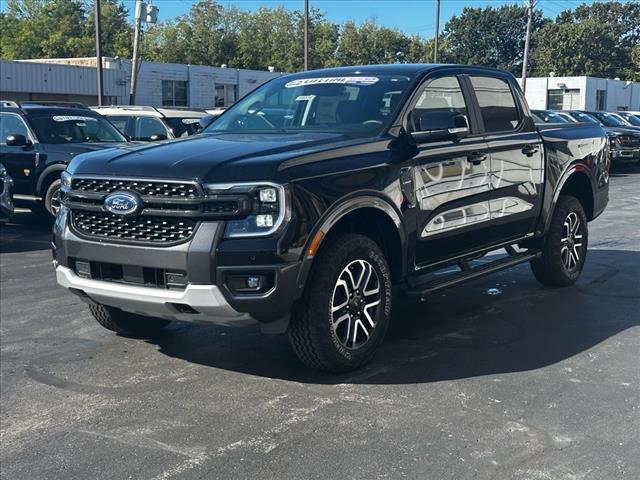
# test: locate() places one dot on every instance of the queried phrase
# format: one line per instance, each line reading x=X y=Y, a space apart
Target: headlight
x=65 y=180
x=269 y=208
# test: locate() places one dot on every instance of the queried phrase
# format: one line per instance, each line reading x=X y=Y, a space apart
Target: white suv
x=148 y=124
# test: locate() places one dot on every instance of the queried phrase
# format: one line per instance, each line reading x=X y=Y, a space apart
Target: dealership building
x=159 y=84
x=171 y=84
x=582 y=93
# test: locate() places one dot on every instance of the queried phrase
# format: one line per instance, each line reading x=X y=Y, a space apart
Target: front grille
x=145 y=188
x=143 y=229
x=629 y=141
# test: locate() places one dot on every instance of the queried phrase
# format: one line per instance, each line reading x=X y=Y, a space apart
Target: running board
x=467 y=273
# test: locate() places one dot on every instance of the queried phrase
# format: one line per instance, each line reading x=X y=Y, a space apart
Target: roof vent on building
x=271 y=68
x=552 y=74
x=224 y=65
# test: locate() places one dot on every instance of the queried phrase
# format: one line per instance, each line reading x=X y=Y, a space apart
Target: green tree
x=597 y=39
x=492 y=37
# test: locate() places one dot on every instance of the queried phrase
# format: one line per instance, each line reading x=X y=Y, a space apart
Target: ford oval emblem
x=122 y=203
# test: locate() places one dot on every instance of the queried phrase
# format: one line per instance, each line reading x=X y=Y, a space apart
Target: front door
x=20 y=161
x=451 y=180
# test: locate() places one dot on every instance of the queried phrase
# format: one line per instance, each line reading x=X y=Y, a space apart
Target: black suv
x=38 y=140
x=305 y=202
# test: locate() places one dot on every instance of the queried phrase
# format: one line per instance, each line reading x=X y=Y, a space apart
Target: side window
x=148 y=126
x=497 y=105
x=120 y=122
x=11 y=125
x=440 y=94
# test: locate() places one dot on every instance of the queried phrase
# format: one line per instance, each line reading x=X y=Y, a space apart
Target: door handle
x=476 y=157
x=529 y=150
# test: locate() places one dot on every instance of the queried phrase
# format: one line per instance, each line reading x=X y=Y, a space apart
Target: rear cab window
x=497 y=104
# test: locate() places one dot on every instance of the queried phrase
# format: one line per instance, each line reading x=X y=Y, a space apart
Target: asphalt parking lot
x=496 y=379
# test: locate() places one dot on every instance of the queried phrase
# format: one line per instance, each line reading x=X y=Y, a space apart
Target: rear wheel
x=125 y=323
x=565 y=246
x=346 y=306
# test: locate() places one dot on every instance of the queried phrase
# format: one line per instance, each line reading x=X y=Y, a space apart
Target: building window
x=601 y=99
x=174 y=93
x=567 y=99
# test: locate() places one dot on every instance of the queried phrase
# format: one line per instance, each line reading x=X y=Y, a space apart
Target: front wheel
x=125 y=323
x=565 y=246
x=52 y=199
x=346 y=306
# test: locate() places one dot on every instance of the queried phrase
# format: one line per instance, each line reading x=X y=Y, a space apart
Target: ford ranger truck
x=314 y=201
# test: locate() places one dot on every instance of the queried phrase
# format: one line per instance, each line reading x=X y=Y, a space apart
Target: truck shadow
x=25 y=232
x=625 y=170
x=501 y=324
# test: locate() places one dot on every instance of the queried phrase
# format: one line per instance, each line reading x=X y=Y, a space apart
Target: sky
x=409 y=16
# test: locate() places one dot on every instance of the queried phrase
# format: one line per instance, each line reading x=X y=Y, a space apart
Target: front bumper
x=622 y=154
x=207 y=300
x=206 y=260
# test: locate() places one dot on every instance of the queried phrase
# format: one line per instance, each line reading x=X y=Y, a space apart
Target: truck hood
x=218 y=157
x=622 y=130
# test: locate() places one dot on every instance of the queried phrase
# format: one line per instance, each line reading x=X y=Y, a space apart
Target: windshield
x=584 y=117
x=58 y=129
x=344 y=104
x=184 y=127
x=551 y=117
x=632 y=119
x=608 y=120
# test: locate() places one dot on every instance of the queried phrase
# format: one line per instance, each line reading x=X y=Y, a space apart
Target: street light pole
x=98 y=54
x=136 y=48
x=435 y=45
x=525 y=60
x=306 y=35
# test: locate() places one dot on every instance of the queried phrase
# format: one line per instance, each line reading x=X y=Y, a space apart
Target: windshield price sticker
x=73 y=118
x=190 y=121
x=361 y=81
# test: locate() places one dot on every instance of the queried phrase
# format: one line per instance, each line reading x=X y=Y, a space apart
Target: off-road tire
x=550 y=269
x=311 y=331
x=125 y=323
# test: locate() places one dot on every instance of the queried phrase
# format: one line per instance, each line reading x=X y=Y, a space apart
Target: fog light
x=83 y=269
x=264 y=221
x=268 y=195
x=253 y=283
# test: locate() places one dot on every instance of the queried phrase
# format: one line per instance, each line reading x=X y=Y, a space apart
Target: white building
x=582 y=93
x=159 y=84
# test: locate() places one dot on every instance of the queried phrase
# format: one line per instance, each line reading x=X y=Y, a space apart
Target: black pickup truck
x=309 y=200
x=38 y=140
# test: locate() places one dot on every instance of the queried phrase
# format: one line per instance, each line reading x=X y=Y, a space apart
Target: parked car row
x=622 y=128
x=39 y=139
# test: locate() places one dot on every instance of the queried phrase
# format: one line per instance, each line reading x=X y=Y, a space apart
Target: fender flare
x=55 y=167
x=576 y=168
x=349 y=204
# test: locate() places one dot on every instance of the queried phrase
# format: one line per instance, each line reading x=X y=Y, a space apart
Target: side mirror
x=17 y=140
x=157 y=137
x=438 y=125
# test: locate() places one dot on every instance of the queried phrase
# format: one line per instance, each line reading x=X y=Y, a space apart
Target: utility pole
x=144 y=13
x=306 y=35
x=435 y=45
x=98 y=54
x=136 y=47
x=525 y=61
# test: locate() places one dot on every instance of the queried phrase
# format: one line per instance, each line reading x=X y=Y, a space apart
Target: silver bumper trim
x=206 y=299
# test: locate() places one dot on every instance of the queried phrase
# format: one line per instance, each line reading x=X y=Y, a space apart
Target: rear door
x=20 y=161
x=516 y=156
x=451 y=179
